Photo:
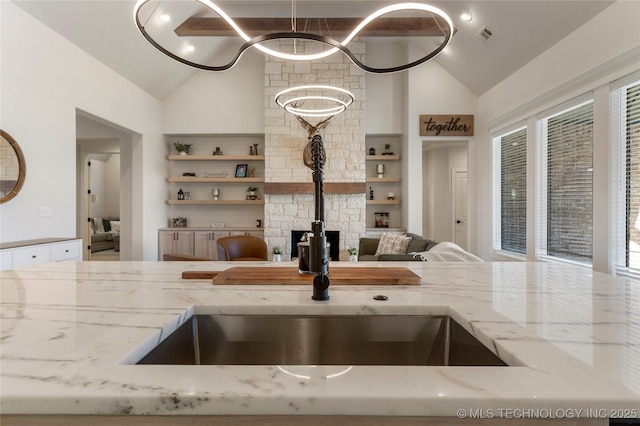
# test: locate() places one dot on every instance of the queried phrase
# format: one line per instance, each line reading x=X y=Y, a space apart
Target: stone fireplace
x=344 y=141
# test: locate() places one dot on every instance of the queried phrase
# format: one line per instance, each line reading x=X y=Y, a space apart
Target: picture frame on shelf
x=179 y=222
x=241 y=170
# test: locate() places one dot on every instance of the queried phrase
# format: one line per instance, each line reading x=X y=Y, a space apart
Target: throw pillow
x=392 y=244
x=98 y=226
x=417 y=244
x=115 y=226
x=107 y=225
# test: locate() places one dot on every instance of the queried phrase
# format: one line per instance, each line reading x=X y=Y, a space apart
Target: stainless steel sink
x=321 y=340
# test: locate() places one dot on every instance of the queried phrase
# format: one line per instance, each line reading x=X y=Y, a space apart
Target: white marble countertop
x=570 y=336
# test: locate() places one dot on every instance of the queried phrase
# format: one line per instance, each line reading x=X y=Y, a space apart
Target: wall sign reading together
x=446 y=125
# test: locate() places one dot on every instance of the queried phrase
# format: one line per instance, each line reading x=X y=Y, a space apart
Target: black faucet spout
x=318 y=257
x=319 y=261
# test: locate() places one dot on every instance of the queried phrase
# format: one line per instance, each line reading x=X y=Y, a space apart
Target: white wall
x=432 y=91
x=219 y=102
x=43 y=80
x=385 y=98
x=602 y=50
x=105 y=185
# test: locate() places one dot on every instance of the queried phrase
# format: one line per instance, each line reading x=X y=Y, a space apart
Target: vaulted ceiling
x=521 y=30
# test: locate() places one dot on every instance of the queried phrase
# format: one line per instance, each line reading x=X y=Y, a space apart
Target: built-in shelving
x=214 y=202
x=389 y=185
x=383 y=202
x=201 y=174
x=190 y=179
x=208 y=157
x=383 y=180
x=391 y=157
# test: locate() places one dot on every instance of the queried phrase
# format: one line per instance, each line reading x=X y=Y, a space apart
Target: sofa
x=105 y=234
x=368 y=247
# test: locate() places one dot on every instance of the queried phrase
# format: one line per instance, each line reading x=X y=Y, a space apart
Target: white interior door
x=459 y=198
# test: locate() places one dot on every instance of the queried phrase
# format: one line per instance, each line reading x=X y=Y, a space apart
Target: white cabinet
x=68 y=250
x=197 y=242
x=26 y=256
x=6 y=259
x=258 y=234
x=205 y=243
x=176 y=242
x=24 y=253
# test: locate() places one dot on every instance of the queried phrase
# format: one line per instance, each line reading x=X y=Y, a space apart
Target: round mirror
x=13 y=168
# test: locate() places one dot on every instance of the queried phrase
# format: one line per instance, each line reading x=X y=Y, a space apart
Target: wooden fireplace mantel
x=308 y=188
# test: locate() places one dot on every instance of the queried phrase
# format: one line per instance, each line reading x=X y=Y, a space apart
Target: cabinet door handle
x=66 y=251
x=33 y=256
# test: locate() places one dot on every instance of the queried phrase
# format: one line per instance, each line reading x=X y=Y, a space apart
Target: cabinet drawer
x=30 y=255
x=65 y=251
x=6 y=260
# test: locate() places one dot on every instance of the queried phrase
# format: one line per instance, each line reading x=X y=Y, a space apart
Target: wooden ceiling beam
x=335 y=27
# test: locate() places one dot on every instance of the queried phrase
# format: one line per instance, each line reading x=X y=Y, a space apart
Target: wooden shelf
x=209 y=157
x=385 y=202
x=383 y=180
x=383 y=157
x=214 y=202
x=189 y=179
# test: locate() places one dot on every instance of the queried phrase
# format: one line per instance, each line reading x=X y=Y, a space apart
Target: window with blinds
x=632 y=130
x=625 y=112
x=510 y=192
x=566 y=198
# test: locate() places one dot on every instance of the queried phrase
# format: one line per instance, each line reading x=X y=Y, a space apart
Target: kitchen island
x=72 y=333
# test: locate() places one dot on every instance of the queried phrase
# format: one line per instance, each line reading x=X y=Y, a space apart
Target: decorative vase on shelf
x=182 y=153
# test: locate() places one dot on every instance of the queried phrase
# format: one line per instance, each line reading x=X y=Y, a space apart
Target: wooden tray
x=243 y=275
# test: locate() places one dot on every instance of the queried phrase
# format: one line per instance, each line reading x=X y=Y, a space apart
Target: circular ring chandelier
x=335 y=45
x=293 y=100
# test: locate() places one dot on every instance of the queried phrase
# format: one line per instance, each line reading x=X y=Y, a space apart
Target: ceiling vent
x=485 y=34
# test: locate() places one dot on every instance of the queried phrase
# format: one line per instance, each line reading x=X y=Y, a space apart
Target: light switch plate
x=46 y=211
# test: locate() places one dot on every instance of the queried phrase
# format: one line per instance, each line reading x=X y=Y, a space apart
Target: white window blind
x=510 y=191
x=565 y=192
x=633 y=176
x=626 y=180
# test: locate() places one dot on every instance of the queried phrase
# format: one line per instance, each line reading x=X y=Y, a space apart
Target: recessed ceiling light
x=189 y=48
x=466 y=16
x=165 y=17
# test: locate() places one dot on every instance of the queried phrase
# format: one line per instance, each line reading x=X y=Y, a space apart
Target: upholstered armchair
x=241 y=247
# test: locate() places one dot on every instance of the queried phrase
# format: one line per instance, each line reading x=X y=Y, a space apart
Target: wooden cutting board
x=244 y=275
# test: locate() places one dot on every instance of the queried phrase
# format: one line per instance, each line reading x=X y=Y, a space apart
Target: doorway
x=106 y=139
x=459 y=195
x=103 y=205
x=444 y=163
